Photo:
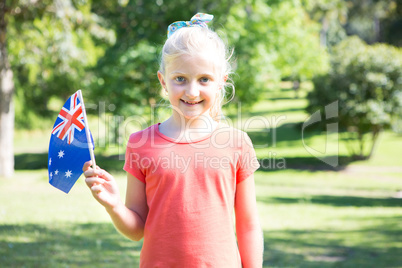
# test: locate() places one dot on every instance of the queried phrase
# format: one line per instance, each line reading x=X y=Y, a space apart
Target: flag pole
x=89 y=140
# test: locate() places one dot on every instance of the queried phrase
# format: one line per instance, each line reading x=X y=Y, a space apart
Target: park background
x=318 y=89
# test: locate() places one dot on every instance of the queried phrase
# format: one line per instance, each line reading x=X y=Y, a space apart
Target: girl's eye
x=204 y=80
x=180 y=79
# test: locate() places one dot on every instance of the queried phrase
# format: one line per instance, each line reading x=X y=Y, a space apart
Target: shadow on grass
x=270 y=116
x=366 y=247
x=99 y=245
x=30 y=161
x=114 y=163
x=362 y=241
x=275 y=114
x=303 y=163
x=335 y=201
x=289 y=133
x=65 y=245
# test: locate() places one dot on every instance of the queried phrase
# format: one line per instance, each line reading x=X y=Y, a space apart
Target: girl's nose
x=192 y=90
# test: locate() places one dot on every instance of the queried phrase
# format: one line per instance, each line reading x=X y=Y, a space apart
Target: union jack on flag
x=68 y=146
x=72 y=119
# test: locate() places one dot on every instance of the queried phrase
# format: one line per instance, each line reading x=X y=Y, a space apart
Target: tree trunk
x=296 y=87
x=377 y=29
x=6 y=102
x=374 y=137
x=360 y=138
x=324 y=31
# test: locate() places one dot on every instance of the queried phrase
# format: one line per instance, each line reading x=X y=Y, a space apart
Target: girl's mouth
x=191 y=102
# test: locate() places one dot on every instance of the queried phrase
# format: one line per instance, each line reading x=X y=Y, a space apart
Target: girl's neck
x=177 y=127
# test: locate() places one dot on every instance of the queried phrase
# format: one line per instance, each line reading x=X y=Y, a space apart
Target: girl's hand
x=103 y=186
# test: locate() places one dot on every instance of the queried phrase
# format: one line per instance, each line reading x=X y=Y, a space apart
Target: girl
x=187 y=174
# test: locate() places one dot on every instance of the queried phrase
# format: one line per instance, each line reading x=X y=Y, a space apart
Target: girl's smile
x=191 y=103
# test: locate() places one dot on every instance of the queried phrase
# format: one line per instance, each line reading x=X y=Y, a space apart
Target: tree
x=372 y=20
x=367 y=83
x=273 y=40
x=300 y=55
x=6 y=100
x=50 y=44
x=332 y=15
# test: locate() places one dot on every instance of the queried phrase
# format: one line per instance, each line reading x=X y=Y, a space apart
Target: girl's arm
x=129 y=219
x=248 y=229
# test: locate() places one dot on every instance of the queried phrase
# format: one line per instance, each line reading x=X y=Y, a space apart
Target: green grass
x=313 y=215
x=43 y=227
x=329 y=219
x=310 y=219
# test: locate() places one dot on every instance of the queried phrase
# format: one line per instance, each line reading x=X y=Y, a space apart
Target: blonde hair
x=192 y=41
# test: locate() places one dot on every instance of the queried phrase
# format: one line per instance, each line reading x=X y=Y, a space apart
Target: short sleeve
x=248 y=162
x=132 y=160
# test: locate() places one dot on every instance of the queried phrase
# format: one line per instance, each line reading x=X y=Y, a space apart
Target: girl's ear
x=225 y=78
x=162 y=80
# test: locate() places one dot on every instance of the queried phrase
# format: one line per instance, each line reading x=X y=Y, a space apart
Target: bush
x=367 y=83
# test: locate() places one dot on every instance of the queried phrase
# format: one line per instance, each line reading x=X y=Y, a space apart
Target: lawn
x=312 y=214
x=330 y=219
x=310 y=219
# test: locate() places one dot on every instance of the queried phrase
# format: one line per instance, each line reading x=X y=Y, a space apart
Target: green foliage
x=273 y=40
x=247 y=30
x=57 y=47
x=300 y=55
x=375 y=21
x=332 y=16
x=372 y=21
x=367 y=82
x=128 y=81
x=51 y=45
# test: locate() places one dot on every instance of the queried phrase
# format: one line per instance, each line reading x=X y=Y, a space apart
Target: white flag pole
x=90 y=145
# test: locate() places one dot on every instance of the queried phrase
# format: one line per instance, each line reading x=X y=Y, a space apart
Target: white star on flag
x=61 y=154
x=68 y=173
x=56 y=172
x=50 y=161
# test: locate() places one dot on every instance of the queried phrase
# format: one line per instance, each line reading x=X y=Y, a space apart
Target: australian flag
x=68 y=147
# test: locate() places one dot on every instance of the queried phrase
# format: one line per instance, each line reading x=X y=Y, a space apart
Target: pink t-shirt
x=190 y=190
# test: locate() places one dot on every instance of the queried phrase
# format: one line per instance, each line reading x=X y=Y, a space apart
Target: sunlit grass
x=323 y=219
x=313 y=219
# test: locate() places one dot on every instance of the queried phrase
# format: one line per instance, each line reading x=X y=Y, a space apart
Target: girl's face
x=192 y=85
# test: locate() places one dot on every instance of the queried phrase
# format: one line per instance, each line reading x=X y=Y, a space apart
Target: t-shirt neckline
x=156 y=129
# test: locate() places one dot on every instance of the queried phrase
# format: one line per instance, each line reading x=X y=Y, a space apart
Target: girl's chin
x=193 y=116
